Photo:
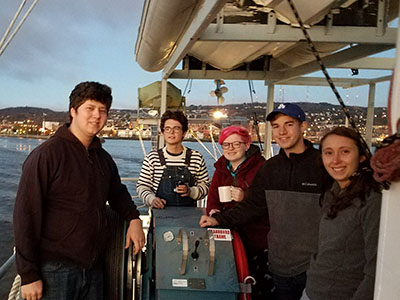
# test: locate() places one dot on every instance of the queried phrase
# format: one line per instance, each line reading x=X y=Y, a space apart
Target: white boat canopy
x=261 y=36
x=261 y=40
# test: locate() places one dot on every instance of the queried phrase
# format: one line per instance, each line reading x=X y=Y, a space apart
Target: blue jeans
x=69 y=282
x=289 y=288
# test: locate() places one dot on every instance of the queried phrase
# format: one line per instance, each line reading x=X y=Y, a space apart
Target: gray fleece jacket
x=344 y=266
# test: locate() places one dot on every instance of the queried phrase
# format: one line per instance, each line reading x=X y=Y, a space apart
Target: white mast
x=387 y=284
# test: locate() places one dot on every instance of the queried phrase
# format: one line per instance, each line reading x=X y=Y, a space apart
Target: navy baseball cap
x=289 y=109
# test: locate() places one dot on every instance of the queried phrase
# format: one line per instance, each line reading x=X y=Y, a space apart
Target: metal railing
x=14 y=291
x=4 y=268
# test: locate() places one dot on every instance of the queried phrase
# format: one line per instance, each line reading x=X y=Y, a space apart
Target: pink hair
x=244 y=134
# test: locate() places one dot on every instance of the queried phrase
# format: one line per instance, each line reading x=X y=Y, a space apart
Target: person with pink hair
x=236 y=168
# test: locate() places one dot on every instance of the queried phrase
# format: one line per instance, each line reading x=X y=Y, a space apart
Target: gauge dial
x=168 y=236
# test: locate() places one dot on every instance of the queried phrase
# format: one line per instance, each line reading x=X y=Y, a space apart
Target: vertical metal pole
x=388 y=261
x=381 y=23
x=370 y=114
x=163 y=107
x=268 y=130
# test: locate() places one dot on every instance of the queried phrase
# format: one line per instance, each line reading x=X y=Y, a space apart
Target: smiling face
x=288 y=133
x=341 y=158
x=175 y=134
x=88 y=119
x=235 y=155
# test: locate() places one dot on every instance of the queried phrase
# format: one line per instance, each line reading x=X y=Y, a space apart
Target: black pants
x=258 y=267
x=289 y=288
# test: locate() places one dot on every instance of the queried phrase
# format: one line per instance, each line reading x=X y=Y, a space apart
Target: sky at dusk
x=65 y=42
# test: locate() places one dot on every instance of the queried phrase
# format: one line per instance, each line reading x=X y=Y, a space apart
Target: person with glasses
x=236 y=169
x=287 y=189
x=174 y=175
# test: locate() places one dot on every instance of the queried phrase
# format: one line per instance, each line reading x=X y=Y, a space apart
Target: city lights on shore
x=219 y=115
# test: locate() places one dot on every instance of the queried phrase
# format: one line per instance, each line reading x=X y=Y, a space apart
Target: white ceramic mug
x=225 y=193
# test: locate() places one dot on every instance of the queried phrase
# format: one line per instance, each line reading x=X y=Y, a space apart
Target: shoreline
x=45 y=137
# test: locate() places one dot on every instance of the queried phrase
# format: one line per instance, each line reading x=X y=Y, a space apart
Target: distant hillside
x=36 y=114
x=334 y=111
x=246 y=110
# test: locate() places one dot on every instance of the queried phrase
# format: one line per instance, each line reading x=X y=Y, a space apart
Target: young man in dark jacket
x=59 y=214
x=288 y=187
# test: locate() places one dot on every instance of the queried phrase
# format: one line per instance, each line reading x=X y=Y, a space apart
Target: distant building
x=124 y=132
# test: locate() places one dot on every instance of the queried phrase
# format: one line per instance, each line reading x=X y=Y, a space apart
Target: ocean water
x=127 y=154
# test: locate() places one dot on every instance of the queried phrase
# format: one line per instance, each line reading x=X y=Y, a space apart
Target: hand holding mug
x=237 y=194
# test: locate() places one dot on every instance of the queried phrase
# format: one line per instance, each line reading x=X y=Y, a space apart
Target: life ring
x=242 y=266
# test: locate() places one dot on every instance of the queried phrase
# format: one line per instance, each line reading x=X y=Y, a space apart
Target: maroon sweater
x=254 y=234
x=59 y=212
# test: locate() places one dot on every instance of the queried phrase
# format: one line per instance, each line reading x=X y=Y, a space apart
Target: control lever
x=195 y=254
x=182 y=238
x=210 y=243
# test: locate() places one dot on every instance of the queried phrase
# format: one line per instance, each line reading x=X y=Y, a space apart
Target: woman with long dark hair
x=344 y=266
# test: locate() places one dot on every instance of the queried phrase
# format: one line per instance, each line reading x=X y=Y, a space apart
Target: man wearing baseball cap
x=288 y=187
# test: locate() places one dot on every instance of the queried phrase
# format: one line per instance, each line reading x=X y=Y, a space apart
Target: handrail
x=129 y=179
x=209 y=241
x=4 y=268
x=182 y=238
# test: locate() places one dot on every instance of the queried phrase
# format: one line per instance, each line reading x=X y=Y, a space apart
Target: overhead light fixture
x=219 y=91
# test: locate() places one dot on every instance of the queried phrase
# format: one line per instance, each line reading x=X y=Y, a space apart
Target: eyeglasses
x=235 y=145
x=172 y=129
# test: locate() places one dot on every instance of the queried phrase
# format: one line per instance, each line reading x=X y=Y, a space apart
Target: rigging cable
x=328 y=78
x=214 y=144
x=255 y=123
x=378 y=163
x=3 y=43
x=201 y=143
x=12 y=23
x=188 y=83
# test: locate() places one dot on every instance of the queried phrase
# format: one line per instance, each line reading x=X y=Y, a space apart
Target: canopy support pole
x=163 y=108
x=268 y=129
x=370 y=114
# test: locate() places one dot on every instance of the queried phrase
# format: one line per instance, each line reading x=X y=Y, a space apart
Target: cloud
x=64 y=42
x=57 y=38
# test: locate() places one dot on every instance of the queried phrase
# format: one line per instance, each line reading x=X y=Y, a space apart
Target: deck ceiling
x=260 y=39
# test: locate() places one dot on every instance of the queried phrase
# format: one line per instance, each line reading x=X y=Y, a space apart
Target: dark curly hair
x=90 y=90
x=361 y=182
x=174 y=115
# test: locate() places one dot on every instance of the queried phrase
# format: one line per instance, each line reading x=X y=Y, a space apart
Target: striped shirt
x=152 y=170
